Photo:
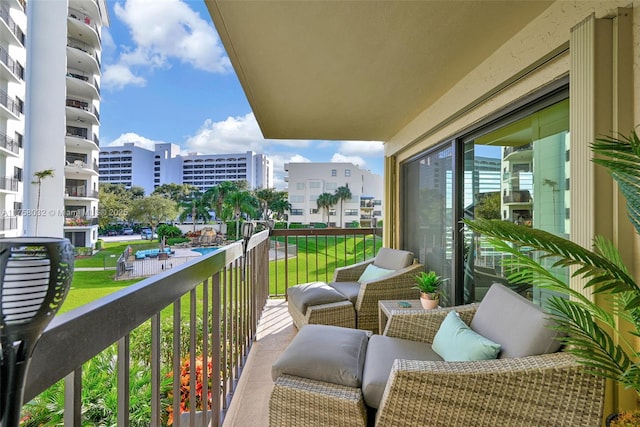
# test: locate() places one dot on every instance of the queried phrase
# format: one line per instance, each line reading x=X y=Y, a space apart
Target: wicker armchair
x=544 y=390
x=359 y=306
x=533 y=391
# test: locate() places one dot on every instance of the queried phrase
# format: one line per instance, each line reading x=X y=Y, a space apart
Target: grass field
x=316 y=259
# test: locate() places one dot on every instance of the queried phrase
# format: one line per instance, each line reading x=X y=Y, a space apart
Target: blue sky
x=167 y=78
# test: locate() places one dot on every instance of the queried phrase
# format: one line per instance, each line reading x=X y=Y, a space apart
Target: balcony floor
x=250 y=403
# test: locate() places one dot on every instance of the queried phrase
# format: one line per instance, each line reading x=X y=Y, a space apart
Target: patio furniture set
x=496 y=363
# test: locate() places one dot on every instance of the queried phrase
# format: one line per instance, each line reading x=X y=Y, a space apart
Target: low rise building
x=308 y=180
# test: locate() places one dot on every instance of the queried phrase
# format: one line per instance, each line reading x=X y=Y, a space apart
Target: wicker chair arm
x=423 y=325
x=544 y=390
x=351 y=273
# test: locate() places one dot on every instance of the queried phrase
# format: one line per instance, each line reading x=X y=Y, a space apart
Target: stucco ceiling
x=358 y=70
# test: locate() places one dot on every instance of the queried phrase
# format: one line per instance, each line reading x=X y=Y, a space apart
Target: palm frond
x=592 y=344
x=592 y=266
x=622 y=159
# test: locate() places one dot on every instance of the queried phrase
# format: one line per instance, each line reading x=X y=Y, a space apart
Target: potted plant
x=593 y=331
x=429 y=286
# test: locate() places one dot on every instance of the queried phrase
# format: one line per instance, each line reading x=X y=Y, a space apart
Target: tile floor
x=250 y=404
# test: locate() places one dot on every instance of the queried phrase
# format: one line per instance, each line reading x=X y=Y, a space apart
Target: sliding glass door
x=428 y=211
x=515 y=168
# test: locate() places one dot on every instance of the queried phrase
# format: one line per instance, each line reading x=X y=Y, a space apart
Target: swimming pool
x=205 y=251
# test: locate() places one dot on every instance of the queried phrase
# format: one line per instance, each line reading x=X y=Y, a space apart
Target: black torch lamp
x=35 y=275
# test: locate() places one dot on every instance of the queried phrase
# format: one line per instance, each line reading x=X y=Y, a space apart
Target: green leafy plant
x=593 y=331
x=429 y=283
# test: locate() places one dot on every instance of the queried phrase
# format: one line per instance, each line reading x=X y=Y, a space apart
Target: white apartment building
x=12 y=94
x=306 y=181
x=63 y=80
x=132 y=165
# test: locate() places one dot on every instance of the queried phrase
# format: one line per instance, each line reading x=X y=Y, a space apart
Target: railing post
x=123 y=381
x=73 y=399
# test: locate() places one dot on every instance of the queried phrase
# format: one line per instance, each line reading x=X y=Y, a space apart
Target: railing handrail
x=75 y=337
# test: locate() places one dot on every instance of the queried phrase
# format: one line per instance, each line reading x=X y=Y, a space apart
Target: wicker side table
x=387 y=308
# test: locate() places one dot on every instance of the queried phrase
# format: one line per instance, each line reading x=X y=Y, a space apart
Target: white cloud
x=356 y=160
x=362 y=148
x=138 y=140
x=165 y=30
x=233 y=135
x=118 y=76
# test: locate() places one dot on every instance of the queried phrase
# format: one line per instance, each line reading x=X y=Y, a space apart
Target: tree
x=325 y=201
x=153 y=210
x=176 y=192
x=266 y=197
x=216 y=196
x=342 y=193
x=280 y=205
x=195 y=206
x=241 y=202
x=40 y=176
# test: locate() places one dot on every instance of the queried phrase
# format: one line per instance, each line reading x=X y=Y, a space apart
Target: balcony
x=9 y=145
x=8 y=183
x=80 y=137
x=12 y=108
x=10 y=28
x=223 y=299
x=12 y=70
x=80 y=191
x=8 y=223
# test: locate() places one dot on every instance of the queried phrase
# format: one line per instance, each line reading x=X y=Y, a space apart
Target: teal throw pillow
x=455 y=341
x=372 y=273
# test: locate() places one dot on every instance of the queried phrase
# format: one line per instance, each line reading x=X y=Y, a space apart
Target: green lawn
x=88 y=286
x=110 y=252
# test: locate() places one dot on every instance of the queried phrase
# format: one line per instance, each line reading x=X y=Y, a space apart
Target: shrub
x=185 y=393
x=168 y=231
x=176 y=240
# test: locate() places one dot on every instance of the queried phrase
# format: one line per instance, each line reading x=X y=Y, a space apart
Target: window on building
x=297 y=212
x=17 y=173
x=17 y=208
x=299 y=185
x=351 y=212
x=347 y=172
x=313 y=197
x=332 y=212
x=315 y=184
x=296 y=198
x=513 y=169
x=331 y=186
x=314 y=211
x=334 y=172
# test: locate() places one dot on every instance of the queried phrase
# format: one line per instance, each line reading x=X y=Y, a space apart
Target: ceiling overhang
x=357 y=70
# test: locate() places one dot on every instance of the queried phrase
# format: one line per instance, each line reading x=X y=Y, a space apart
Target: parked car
x=146 y=234
x=127 y=231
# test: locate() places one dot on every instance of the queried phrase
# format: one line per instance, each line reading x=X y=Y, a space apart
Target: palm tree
x=342 y=193
x=594 y=334
x=217 y=195
x=40 y=175
x=241 y=202
x=196 y=206
x=266 y=196
x=280 y=206
x=325 y=201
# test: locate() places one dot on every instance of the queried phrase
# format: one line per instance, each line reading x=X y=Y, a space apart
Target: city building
x=306 y=181
x=62 y=80
x=130 y=165
x=12 y=94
